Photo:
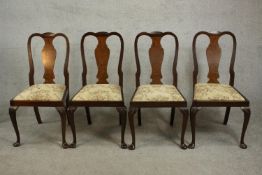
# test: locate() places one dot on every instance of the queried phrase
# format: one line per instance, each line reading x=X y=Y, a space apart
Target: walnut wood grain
x=156 y=56
x=48 y=59
x=102 y=54
x=213 y=53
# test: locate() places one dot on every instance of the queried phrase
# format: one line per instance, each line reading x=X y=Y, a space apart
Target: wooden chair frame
x=48 y=62
x=156 y=53
x=102 y=62
x=213 y=58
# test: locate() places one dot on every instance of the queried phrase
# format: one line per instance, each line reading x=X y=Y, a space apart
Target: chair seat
x=156 y=93
x=42 y=92
x=216 y=92
x=99 y=92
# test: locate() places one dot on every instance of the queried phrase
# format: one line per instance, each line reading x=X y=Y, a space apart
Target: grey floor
x=157 y=151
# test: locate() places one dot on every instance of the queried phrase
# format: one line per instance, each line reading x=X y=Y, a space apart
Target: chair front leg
x=131 y=114
x=172 y=116
x=88 y=116
x=12 y=113
x=122 y=112
x=185 y=112
x=139 y=117
x=226 y=115
x=63 y=115
x=119 y=119
x=247 y=113
x=193 y=112
x=37 y=115
x=70 y=115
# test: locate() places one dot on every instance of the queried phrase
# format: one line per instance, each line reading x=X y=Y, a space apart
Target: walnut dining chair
x=101 y=94
x=157 y=94
x=47 y=94
x=213 y=93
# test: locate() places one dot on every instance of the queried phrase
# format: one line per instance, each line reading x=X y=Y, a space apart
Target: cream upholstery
x=153 y=93
x=216 y=92
x=99 y=92
x=42 y=92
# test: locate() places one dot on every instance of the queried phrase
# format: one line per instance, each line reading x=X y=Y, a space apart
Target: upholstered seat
x=42 y=92
x=216 y=92
x=99 y=92
x=158 y=93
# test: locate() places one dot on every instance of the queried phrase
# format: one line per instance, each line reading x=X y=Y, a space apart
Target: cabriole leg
x=119 y=120
x=12 y=113
x=63 y=115
x=184 y=111
x=193 y=112
x=71 y=111
x=247 y=113
x=131 y=114
x=139 y=117
x=122 y=113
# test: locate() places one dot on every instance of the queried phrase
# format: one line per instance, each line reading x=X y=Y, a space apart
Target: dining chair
x=157 y=94
x=213 y=93
x=48 y=94
x=101 y=94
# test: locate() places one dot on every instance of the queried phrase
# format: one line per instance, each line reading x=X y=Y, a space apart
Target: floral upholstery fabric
x=99 y=92
x=153 y=93
x=216 y=92
x=42 y=92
